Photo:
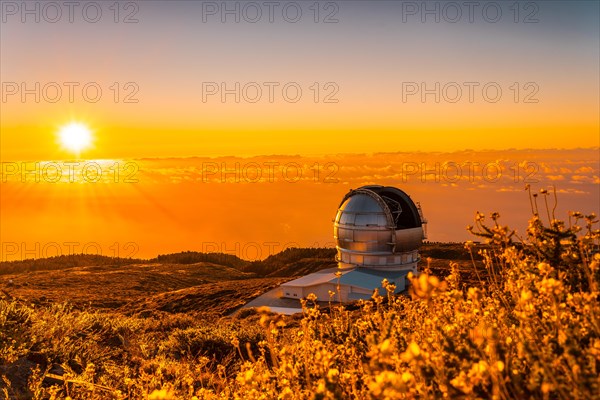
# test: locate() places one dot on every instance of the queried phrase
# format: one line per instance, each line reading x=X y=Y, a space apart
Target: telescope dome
x=378 y=227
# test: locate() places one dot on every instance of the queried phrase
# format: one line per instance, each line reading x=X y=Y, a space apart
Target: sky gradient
x=370 y=55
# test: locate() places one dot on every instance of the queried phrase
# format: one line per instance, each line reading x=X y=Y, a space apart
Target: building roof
x=362 y=278
x=370 y=279
x=315 y=278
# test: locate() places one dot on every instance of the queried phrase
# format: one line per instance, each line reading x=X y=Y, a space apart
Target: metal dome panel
x=361 y=203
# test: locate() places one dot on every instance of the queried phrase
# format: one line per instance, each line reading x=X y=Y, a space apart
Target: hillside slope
x=179 y=283
x=113 y=286
x=217 y=298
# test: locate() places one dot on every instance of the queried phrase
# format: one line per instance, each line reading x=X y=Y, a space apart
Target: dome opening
x=405 y=212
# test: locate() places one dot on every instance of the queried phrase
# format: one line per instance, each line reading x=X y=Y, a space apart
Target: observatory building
x=378 y=231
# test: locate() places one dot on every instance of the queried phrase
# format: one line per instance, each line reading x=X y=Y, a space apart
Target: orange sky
x=148 y=130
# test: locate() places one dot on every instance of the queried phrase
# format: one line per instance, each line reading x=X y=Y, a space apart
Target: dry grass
x=113 y=286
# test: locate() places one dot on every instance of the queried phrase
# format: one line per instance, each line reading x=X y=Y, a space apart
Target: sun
x=75 y=137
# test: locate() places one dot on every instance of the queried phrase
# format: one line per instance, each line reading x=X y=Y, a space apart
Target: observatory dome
x=378 y=227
